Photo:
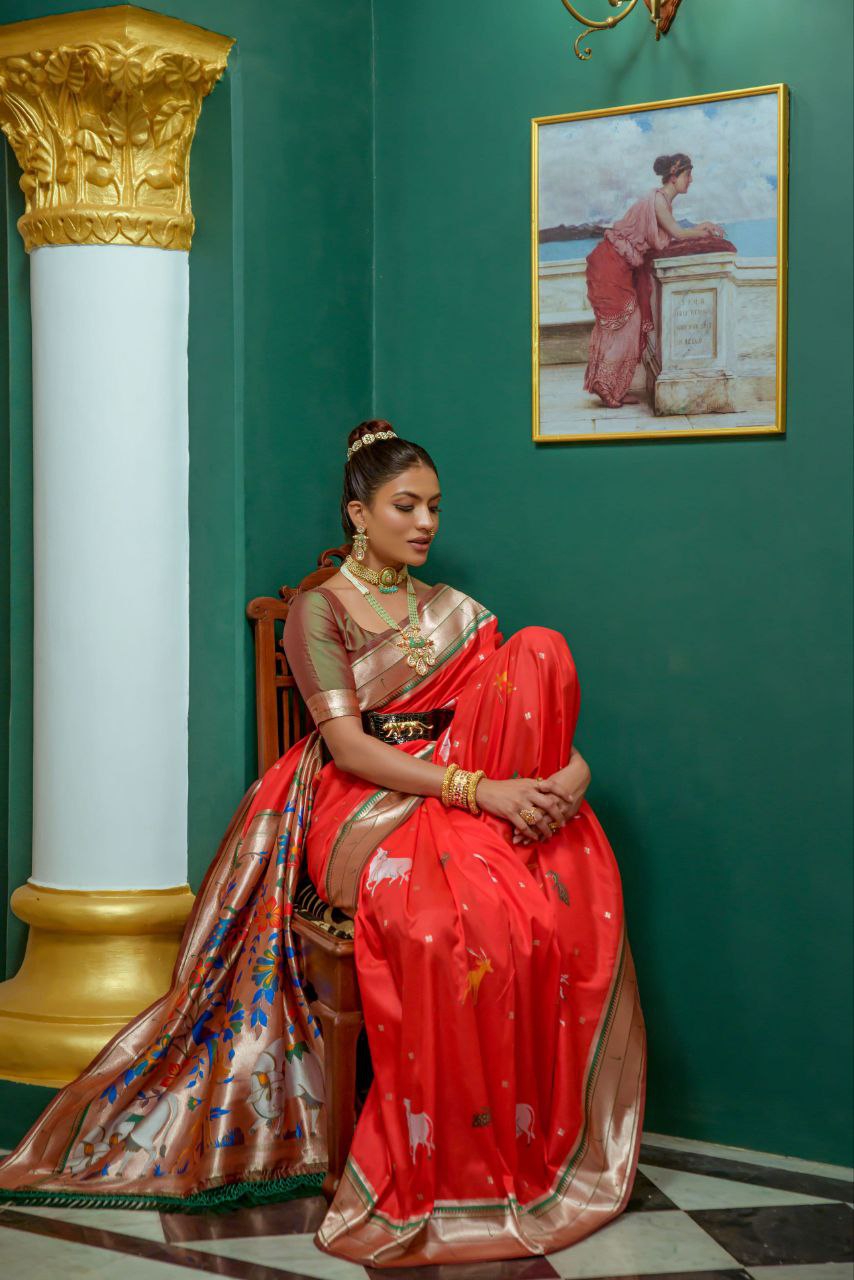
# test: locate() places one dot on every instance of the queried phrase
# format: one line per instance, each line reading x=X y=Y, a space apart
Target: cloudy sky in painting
x=592 y=170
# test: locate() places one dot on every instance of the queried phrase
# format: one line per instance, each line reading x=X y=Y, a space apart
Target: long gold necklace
x=387 y=579
x=420 y=653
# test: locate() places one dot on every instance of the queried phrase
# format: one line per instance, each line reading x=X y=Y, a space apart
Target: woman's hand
x=507 y=798
x=568 y=786
x=712 y=229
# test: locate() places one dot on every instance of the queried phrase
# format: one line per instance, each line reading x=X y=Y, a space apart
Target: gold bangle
x=471 y=794
x=457 y=782
x=446 y=784
x=459 y=789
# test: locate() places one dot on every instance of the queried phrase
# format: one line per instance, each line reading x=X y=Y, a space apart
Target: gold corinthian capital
x=100 y=108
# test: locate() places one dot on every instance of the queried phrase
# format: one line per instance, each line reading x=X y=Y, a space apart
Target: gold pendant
x=420 y=653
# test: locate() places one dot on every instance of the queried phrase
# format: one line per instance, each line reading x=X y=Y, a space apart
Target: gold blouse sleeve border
x=330 y=703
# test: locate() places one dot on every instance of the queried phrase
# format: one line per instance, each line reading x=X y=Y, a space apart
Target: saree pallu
x=499 y=993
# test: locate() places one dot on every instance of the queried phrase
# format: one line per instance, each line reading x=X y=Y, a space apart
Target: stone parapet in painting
x=566 y=316
x=713 y=347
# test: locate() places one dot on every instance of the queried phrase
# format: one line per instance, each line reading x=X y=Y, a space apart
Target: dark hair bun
x=369 y=428
x=664 y=166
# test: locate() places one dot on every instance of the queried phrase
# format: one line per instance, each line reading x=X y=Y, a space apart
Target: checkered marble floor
x=698 y=1212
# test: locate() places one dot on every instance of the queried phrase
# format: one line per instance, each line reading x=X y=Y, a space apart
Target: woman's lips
x=421 y=543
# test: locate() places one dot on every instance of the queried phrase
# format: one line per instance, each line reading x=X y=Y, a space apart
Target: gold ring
x=531 y=816
x=554 y=826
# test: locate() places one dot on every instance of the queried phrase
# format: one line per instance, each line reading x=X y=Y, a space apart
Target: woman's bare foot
x=618 y=404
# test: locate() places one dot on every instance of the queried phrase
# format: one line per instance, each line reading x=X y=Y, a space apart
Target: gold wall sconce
x=661 y=14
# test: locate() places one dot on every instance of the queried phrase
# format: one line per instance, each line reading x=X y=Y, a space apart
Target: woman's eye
x=397 y=508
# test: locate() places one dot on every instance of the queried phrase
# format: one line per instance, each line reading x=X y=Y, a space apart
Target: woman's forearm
x=690 y=233
x=356 y=752
x=667 y=221
x=577 y=771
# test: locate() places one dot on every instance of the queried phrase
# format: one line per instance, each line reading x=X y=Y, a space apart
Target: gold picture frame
x=716 y=348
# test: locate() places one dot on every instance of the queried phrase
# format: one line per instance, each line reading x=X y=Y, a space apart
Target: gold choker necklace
x=387 y=579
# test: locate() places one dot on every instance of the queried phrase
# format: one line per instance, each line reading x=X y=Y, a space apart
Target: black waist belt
x=407 y=726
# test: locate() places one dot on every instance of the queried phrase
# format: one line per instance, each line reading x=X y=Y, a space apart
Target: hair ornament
x=369 y=438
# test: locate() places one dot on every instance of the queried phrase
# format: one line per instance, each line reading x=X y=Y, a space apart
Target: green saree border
x=214 y=1199
x=75 y=1129
x=537 y=1207
x=569 y=1169
x=362 y=810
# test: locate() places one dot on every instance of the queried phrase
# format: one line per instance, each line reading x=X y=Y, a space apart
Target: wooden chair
x=325 y=934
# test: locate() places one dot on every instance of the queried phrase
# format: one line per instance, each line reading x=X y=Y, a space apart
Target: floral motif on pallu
x=230 y=1056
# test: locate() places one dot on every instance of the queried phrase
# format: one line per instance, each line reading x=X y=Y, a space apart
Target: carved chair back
x=281 y=714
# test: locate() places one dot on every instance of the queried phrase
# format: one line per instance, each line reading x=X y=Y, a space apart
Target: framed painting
x=659 y=269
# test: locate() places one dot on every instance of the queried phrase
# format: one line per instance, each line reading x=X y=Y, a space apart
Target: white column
x=111 y=637
x=100 y=107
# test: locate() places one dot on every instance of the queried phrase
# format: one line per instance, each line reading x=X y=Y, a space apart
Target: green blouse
x=317 y=653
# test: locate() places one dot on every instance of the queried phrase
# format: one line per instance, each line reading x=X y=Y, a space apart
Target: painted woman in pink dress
x=619 y=282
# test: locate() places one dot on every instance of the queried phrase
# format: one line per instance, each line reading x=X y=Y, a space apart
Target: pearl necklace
x=420 y=653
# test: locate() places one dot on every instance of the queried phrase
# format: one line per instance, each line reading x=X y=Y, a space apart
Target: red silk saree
x=499 y=993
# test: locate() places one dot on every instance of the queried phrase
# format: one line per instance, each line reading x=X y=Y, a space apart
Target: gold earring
x=360 y=544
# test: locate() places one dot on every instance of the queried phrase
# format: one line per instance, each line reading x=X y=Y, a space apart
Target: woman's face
x=403 y=517
x=682 y=182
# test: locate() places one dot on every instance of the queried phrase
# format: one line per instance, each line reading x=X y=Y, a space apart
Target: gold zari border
x=592 y=1188
x=382 y=673
x=449 y=618
x=330 y=703
x=361 y=834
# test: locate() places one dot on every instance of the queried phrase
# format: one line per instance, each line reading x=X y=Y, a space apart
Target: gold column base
x=94 y=959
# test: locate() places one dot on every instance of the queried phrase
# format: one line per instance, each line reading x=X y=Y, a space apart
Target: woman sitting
x=440 y=800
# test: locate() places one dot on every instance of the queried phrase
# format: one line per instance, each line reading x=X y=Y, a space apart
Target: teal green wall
x=280 y=367
x=16 y=550
x=704 y=587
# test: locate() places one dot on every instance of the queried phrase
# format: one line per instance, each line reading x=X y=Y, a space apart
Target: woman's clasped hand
x=550 y=802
